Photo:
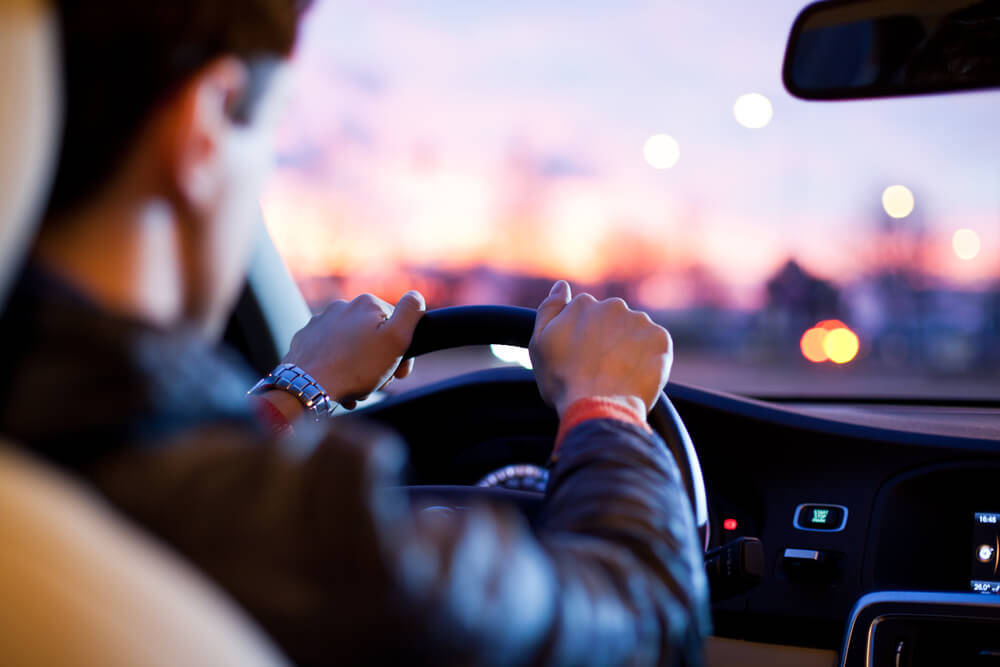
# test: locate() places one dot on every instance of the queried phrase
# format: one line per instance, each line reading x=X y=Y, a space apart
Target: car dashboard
x=851 y=500
x=879 y=523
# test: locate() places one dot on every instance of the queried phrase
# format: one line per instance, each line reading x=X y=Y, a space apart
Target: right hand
x=584 y=348
x=355 y=348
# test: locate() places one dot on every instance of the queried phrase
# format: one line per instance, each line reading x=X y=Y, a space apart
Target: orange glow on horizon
x=444 y=220
x=574 y=232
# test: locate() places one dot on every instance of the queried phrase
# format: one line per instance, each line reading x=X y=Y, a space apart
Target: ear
x=198 y=124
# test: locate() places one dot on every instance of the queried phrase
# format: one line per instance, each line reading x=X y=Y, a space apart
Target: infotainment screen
x=986 y=552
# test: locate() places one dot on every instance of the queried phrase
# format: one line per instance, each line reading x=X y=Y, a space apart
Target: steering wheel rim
x=462 y=326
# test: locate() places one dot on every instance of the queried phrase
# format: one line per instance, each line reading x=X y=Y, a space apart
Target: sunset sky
x=510 y=134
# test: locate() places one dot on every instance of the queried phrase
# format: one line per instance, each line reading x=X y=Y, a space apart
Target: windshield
x=644 y=149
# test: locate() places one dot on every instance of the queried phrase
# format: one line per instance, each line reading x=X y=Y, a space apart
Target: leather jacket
x=311 y=534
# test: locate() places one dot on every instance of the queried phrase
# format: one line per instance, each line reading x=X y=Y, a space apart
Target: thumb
x=407 y=313
x=557 y=299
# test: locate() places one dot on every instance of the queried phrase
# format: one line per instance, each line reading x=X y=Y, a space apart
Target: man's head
x=29 y=104
x=170 y=106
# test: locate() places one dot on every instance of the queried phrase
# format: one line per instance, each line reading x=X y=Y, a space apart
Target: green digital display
x=820 y=515
x=816 y=516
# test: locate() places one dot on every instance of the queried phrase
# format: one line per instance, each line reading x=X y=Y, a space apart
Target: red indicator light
x=729 y=524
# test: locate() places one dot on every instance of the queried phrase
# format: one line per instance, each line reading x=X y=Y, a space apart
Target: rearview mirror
x=853 y=49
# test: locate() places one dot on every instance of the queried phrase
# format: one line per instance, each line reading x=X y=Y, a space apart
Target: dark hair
x=122 y=58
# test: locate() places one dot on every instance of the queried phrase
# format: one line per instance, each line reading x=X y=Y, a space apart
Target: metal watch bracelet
x=291 y=379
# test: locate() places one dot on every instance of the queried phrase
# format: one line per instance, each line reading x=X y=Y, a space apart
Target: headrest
x=81 y=586
x=30 y=109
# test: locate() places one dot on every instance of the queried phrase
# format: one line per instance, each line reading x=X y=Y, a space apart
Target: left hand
x=584 y=348
x=353 y=349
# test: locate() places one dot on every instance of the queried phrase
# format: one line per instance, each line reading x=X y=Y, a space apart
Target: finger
x=642 y=316
x=558 y=297
x=333 y=306
x=582 y=300
x=666 y=340
x=408 y=312
x=375 y=303
x=404 y=369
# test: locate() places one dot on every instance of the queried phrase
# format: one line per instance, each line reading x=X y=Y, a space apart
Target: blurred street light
x=753 y=111
x=966 y=244
x=841 y=346
x=898 y=201
x=662 y=151
x=830 y=340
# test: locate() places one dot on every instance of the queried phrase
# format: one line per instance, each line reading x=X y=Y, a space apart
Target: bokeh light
x=662 y=151
x=753 y=111
x=898 y=201
x=966 y=244
x=830 y=340
x=841 y=346
x=812 y=345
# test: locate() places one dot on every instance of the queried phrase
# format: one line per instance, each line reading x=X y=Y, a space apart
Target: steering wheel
x=449 y=328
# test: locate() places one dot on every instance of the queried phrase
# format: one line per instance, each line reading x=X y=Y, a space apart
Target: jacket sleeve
x=315 y=539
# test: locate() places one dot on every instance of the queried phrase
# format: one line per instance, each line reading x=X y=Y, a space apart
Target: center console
x=937 y=529
x=923 y=629
x=934 y=555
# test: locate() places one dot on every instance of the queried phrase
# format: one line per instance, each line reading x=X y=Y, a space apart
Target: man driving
x=112 y=370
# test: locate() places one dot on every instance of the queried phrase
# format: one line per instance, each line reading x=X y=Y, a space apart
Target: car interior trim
x=924 y=598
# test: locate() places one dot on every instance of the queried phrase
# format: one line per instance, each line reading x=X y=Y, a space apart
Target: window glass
x=646 y=149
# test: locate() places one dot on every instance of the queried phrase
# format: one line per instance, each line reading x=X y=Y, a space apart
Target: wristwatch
x=295 y=381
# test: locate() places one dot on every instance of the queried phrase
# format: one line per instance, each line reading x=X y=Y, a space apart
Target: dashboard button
x=811 y=566
x=820 y=517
